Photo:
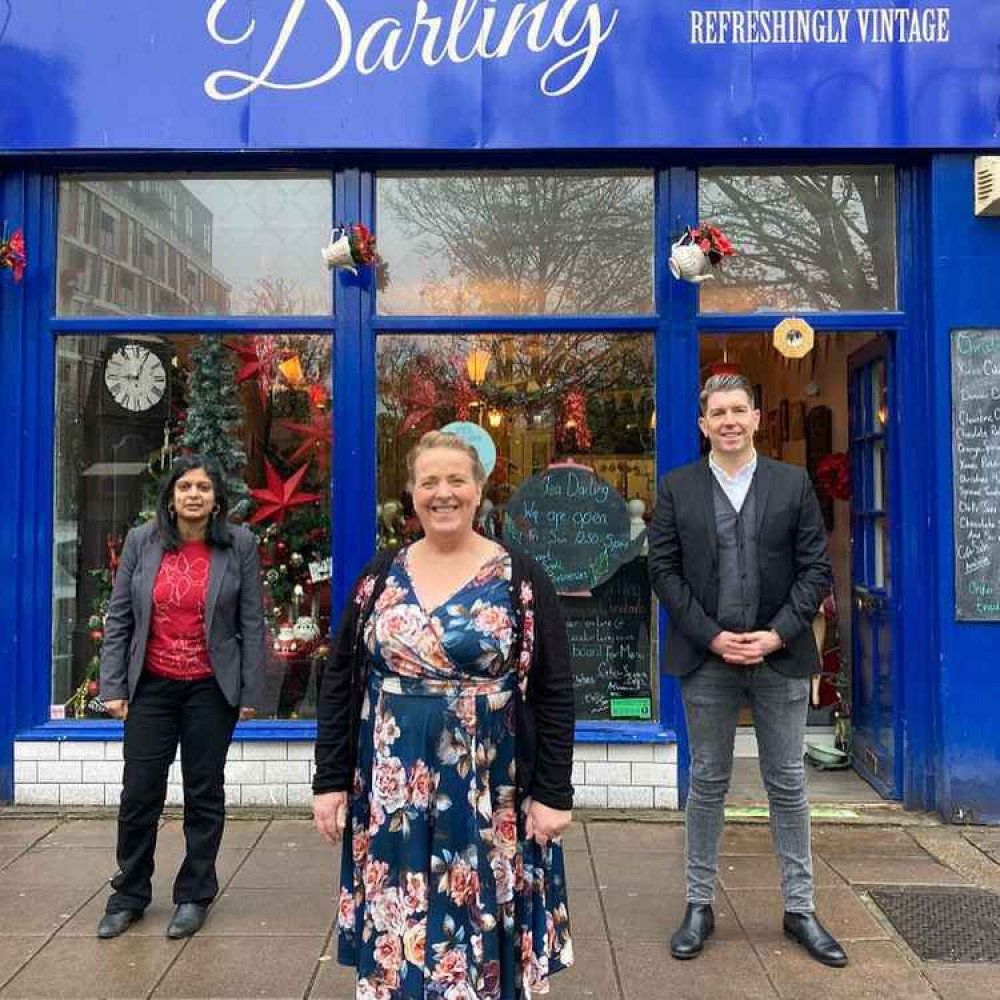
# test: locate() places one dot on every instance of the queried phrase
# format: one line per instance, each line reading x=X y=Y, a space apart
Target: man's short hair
x=725 y=383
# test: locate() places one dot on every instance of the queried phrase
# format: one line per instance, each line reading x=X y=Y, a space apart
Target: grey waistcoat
x=739 y=577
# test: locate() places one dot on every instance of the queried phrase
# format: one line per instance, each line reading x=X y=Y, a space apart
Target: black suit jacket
x=795 y=572
x=234 y=617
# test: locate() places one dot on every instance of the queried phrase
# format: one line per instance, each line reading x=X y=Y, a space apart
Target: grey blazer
x=234 y=617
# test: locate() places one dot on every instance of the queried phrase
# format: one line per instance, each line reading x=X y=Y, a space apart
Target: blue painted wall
x=965 y=268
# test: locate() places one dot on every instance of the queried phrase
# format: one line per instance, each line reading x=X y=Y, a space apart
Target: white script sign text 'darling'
x=474 y=28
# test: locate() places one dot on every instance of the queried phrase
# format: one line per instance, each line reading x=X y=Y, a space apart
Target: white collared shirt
x=735 y=487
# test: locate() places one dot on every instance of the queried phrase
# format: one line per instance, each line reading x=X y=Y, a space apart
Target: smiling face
x=194 y=496
x=445 y=493
x=729 y=423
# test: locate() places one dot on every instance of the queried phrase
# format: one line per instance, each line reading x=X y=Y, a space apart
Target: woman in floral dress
x=447 y=711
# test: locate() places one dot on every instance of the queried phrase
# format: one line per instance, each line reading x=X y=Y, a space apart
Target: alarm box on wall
x=987 y=185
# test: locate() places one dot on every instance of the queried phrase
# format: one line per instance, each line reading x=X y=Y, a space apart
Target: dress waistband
x=396 y=684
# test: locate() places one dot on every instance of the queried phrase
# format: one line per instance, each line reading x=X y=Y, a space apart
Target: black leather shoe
x=695 y=929
x=187 y=920
x=117 y=922
x=810 y=933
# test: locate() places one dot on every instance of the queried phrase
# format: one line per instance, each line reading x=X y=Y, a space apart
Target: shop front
x=528 y=171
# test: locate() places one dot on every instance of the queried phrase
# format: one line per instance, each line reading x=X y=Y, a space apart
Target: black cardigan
x=544 y=718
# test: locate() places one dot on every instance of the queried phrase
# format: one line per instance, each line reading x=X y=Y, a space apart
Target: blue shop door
x=875 y=697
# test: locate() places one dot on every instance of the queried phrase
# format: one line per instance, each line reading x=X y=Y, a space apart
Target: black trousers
x=163 y=713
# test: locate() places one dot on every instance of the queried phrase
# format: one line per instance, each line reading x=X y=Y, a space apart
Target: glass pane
x=184 y=245
x=804 y=239
x=547 y=243
x=544 y=399
x=125 y=407
x=878 y=476
x=880 y=406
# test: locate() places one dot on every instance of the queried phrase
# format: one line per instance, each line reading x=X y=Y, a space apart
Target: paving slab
x=746 y=838
x=169 y=861
x=635 y=837
x=316 y=868
x=41 y=911
x=282 y=833
x=82 y=833
x=575 y=837
x=236 y=833
x=241 y=967
x=893 y=843
x=877 y=971
x=333 y=981
x=24 y=831
x=89 y=969
x=153 y=924
x=58 y=866
x=727 y=969
x=756 y=872
x=964 y=982
x=893 y=871
x=271 y=913
x=662 y=872
x=15 y=952
x=839 y=909
x=579 y=870
x=653 y=915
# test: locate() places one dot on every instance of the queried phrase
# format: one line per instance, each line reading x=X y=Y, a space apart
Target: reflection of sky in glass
x=513 y=243
x=273 y=228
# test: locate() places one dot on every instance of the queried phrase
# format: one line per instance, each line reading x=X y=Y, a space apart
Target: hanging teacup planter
x=698 y=250
x=350 y=247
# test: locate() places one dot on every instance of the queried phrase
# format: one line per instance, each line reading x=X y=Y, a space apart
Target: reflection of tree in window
x=544 y=243
x=803 y=240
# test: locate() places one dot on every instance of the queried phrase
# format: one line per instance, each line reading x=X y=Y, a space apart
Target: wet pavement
x=269 y=934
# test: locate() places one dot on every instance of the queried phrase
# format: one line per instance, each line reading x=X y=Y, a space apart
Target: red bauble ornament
x=280 y=496
x=96 y=634
x=281 y=549
x=92 y=689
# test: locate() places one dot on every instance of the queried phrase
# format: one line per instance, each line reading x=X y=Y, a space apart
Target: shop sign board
x=499 y=74
x=975 y=382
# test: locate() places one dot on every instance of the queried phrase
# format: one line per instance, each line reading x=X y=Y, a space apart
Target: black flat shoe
x=805 y=929
x=117 y=922
x=187 y=920
x=695 y=929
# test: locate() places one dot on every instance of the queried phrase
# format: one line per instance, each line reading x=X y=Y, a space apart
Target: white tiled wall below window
x=89 y=773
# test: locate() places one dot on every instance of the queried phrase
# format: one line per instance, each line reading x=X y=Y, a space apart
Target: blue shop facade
x=527 y=171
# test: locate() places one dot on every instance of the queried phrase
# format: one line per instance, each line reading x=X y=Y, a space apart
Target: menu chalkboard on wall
x=975 y=405
x=608 y=636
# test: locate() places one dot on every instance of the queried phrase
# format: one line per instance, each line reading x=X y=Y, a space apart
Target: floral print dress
x=441 y=894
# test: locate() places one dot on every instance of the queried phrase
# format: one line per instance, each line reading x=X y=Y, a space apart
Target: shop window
x=541 y=400
x=805 y=239
x=253 y=240
x=126 y=405
x=540 y=243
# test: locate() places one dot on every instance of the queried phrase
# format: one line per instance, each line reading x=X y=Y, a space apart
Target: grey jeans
x=713 y=695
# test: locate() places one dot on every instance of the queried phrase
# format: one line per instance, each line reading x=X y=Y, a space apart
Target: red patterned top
x=178 y=646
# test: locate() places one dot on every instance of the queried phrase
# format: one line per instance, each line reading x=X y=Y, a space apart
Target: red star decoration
x=247 y=354
x=280 y=496
x=316 y=438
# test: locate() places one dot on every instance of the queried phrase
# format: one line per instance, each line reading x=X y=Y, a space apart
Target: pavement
x=269 y=934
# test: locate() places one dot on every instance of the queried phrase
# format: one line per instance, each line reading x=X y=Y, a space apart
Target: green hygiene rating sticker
x=631 y=708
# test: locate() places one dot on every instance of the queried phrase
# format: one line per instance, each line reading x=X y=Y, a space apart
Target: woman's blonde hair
x=444 y=439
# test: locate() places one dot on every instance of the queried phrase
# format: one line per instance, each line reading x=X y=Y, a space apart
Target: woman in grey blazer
x=182 y=661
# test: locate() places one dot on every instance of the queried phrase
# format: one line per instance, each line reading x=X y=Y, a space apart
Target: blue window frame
x=28 y=197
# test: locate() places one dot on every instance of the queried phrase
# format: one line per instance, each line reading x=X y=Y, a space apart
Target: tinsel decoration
x=573 y=432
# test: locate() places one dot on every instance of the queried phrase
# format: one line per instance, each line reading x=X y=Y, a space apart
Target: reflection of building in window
x=138 y=246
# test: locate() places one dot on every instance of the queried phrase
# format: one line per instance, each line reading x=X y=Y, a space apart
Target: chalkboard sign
x=975 y=404
x=609 y=646
x=573 y=523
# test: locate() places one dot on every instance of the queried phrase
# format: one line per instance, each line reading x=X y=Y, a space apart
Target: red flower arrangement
x=710 y=242
x=12 y=253
x=362 y=244
x=833 y=476
x=350 y=247
x=573 y=428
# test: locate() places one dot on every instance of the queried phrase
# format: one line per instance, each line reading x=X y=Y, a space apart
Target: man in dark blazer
x=737 y=556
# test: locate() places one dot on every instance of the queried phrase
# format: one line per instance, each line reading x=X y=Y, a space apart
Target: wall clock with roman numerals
x=135 y=377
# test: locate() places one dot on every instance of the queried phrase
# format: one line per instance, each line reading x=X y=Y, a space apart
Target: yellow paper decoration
x=794 y=338
x=291 y=370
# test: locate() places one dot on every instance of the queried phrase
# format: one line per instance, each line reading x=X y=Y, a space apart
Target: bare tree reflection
x=545 y=243
x=804 y=240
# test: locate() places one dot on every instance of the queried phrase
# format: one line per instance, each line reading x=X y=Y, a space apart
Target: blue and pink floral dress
x=441 y=894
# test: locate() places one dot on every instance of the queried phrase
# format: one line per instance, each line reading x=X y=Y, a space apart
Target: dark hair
x=726 y=383
x=217 y=533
